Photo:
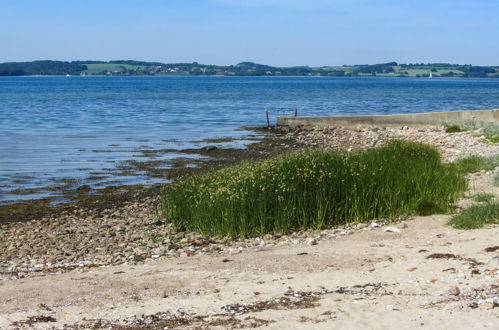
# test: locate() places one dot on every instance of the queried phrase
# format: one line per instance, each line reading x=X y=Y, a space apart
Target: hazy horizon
x=279 y=33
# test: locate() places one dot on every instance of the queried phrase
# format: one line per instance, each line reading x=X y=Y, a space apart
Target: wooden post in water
x=267 y=117
x=296 y=112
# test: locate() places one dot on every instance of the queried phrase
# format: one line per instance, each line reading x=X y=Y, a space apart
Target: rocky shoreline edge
x=132 y=231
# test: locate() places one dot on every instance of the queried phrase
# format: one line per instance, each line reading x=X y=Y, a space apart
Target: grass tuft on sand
x=454 y=129
x=476 y=216
x=488 y=130
x=475 y=164
x=314 y=190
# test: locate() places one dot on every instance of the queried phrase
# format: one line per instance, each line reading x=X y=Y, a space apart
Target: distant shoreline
x=233 y=76
x=141 y=68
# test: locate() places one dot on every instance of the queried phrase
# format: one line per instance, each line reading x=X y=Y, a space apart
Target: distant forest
x=139 y=68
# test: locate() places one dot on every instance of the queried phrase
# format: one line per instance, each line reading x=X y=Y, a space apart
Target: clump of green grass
x=484 y=198
x=454 y=129
x=475 y=164
x=496 y=180
x=492 y=138
x=313 y=190
x=476 y=216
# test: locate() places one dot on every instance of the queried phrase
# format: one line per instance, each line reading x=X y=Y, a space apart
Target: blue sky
x=275 y=32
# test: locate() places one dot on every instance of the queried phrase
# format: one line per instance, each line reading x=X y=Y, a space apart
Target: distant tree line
x=131 y=67
x=477 y=71
x=40 y=68
x=377 y=68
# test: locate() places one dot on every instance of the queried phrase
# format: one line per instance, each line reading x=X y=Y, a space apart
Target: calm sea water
x=58 y=128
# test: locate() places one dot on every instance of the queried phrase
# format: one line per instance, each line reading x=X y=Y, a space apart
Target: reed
x=313 y=190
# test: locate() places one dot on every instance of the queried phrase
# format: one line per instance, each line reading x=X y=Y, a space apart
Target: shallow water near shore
x=62 y=133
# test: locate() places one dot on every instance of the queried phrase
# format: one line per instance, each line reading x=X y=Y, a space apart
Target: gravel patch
x=452 y=145
x=81 y=240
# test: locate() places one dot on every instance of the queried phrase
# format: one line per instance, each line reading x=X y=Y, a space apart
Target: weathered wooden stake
x=296 y=112
x=267 y=117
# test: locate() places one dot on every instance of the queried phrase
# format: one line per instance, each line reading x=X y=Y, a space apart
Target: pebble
x=361 y=226
x=392 y=230
x=312 y=241
x=454 y=291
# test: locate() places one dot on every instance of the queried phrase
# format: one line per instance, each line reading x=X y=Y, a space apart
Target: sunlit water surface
x=55 y=129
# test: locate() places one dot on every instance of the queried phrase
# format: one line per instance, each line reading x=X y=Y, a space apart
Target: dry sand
x=370 y=279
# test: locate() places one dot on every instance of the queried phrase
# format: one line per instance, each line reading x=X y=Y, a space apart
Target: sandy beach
x=123 y=268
